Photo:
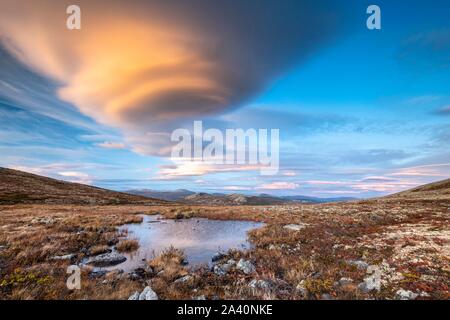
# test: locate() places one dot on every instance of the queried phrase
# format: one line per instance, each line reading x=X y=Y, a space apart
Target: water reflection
x=199 y=238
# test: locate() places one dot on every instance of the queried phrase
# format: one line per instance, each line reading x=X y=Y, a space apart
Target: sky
x=361 y=112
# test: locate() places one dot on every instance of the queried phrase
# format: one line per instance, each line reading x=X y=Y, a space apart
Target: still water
x=199 y=238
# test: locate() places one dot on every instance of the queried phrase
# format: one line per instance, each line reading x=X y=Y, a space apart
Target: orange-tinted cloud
x=145 y=67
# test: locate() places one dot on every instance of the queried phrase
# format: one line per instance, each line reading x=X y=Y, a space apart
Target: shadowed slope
x=21 y=187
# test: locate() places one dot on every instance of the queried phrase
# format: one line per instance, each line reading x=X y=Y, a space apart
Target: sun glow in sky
x=361 y=112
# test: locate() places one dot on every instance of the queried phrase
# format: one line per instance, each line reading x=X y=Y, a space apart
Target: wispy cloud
x=111 y=145
x=278 y=186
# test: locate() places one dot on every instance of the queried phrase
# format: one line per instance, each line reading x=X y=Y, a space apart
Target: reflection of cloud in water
x=198 y=238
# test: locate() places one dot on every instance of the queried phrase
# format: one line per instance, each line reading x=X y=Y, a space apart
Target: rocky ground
x=379 y=249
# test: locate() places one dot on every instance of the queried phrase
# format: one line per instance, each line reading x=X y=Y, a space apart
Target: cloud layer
x=148 y=66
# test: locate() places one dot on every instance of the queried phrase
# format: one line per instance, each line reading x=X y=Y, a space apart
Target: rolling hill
x=433 y=191
x=22 y=187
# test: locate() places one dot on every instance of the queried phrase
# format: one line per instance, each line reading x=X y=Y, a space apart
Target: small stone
x=370 y=283
x=301 y=288
x=222 y=269
x=245 y=266
x=327 y=296
x=184 y=279
x=259 y=284
x=231 y=262
x=64 y=257
x=148 y=294
x=202 y=297
x=97 y=274
x=406 y=295
x=134 y=296
x=345 y=281
x=294 y=227
x=217 y=256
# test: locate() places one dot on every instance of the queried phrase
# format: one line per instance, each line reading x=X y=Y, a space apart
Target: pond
x=199 y=238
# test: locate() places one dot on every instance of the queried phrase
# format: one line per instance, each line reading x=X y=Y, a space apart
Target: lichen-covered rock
x=372 y=282
x=406 y=294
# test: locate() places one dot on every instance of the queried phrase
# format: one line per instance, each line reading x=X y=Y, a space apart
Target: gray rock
x=96 y=274
x=327 y=296
x=148 y=294
x=295 y=227
x=184 y=279
x=63 y=257
x=222 y=269
x=370 y=283
x=202 y=297
x=245 y=266
x=345 y=281
x=406 y=295
x=106 y=259
x=134 y=296
x=259 y=284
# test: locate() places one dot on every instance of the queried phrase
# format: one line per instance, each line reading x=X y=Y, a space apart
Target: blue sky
x=361 y=113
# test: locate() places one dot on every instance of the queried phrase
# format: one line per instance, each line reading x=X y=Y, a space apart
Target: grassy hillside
x=433 y=191
x=21 y=187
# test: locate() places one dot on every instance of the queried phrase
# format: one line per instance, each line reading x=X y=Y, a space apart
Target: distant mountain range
x=22 y=187
x=190 y=197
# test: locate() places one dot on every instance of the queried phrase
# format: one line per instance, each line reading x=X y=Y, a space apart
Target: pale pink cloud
x=278 y=186
x=236 y=188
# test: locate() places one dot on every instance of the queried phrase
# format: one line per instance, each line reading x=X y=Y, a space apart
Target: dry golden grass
x=411 y=236
x=128 y=245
